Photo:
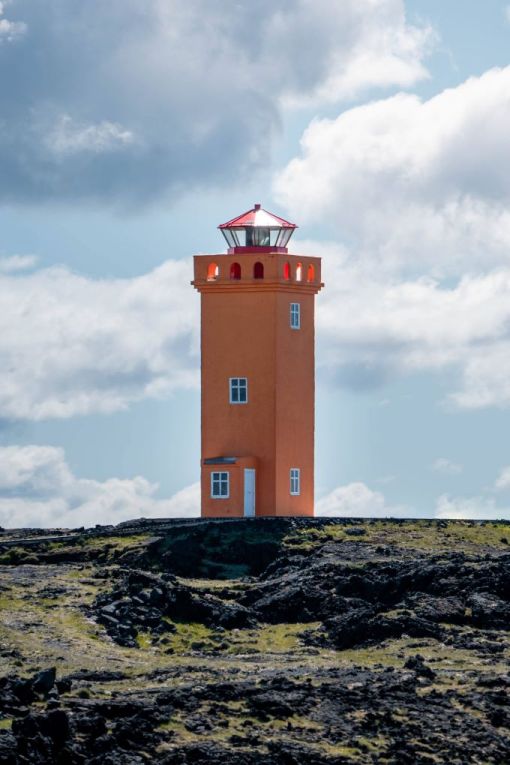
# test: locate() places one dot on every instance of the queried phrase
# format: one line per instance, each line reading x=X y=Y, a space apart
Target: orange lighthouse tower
x=258 y=371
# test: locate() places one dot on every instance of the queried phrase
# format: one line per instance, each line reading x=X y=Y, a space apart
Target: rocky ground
x=256 y=642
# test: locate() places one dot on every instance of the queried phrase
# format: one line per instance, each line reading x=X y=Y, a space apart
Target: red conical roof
x=258 y=217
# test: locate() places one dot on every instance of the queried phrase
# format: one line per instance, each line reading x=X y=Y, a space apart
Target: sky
x=129 y=131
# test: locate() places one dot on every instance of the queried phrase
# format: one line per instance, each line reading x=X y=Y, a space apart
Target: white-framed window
x=220 y=485
x=295 y=481
x=295 y=316
x=238 y=390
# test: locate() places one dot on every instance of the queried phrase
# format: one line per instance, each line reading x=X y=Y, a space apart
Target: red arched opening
x=311 y=273
x=235 y=271
x=299 y=272
x=212 y=272
x=286 y=272
x=258 y=270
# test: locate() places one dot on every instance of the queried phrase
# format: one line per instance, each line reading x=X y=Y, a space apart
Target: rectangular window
x=295 y=316
x=238 y=390
x=220 y=485
x=295 y=481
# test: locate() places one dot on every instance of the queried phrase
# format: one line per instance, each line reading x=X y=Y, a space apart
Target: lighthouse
x=257 y=371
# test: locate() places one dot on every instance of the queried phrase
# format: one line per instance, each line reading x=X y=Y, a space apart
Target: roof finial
x=257 y=206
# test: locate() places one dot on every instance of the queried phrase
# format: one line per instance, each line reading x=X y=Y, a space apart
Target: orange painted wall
x=233 y=506
x=295 y=404
x=231 y=347
x=245 y=332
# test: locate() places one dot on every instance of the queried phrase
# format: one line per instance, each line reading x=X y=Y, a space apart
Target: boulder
x=44 y=681
x=417 y=664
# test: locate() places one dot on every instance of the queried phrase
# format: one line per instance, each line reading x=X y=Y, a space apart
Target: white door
x=249 y=492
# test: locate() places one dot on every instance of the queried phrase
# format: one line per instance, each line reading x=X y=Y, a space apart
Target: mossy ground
x=43 y=623
x=438 y=536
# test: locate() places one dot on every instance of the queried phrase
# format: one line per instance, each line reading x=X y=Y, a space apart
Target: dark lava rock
x=417 y=664
x=93 y=676
x=56 y=725
x=207 y=552
x=273 y=703
x=296 y=754
x=44 y=681
x=449 y=610
x=23 y=690
x=144 y=601
x=346 y=706
x=367 y=626
x=64 y=685
x=8 y=745
x=355 y=532
x=489 y=611
x=358 y=604
x=293 y=712
x=16 y=692
x=92 y=724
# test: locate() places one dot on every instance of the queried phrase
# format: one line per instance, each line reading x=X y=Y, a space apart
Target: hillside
x=256 y=642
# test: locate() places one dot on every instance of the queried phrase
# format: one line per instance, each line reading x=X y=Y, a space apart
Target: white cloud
x=383 y=48
x=10 y=30
x=184 y=504
x=420 y=189
x=481 y=507
x=139 y=101
x=487 y=377
x=36 y=470
x=356 y=500
x=69 y=137
x=503 y=480
x=507 y=13
x=446 y=466
x=37 y=489
x=73 y=345
x=373 y=326
x=419 y=186
x=12 y=263
x=470 y=508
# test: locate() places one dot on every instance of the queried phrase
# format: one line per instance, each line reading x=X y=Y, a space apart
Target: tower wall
x=245 y=332
x=238 y=339
x=295 y=404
